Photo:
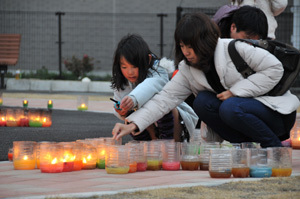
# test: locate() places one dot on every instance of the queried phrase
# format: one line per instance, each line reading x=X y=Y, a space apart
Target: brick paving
x=86 y=183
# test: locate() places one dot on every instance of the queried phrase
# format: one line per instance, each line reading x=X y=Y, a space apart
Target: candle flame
x=25 y=102
x=44 y=119
x=84 y=160
x=82 y=105
x=50 y=102
x=2 y=119
x=25 y=157
x=103 y=152
x=54 y=161
x=298 y=138
x=89 y=157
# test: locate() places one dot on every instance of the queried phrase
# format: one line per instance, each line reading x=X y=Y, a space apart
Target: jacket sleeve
x=150 y=86
x=174 y=92
x=268 y=68
x=278 y=6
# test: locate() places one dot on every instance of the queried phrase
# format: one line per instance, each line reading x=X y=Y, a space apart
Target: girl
x=137 y=76
x=233 y=107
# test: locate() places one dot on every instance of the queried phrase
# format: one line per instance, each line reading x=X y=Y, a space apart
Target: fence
x=97 y=34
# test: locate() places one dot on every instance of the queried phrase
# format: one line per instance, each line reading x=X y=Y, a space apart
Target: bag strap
x=237 y=60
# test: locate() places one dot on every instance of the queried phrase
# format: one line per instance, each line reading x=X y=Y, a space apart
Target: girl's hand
x=225 y=95
x=127 y=103
x=123 y=129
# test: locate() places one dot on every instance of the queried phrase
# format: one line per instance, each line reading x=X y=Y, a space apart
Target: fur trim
x=167 y=64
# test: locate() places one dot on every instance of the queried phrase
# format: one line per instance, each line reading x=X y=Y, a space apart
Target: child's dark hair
x=201 y=33
x=136 y=51
x=250 y=19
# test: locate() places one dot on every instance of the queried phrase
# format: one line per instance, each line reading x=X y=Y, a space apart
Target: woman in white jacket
x=230 y=105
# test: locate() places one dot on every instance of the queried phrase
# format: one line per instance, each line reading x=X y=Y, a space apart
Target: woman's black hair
x=136 y=51
x=201 y=33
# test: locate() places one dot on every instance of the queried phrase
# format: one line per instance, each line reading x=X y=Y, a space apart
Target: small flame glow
x=82 y=105
x=25 y=157
x=89 y=157
x=84 y=160
x=54 y=161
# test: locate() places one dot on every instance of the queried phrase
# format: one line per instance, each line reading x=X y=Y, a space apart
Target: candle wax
x=35 y=123
x=89 y=166
x=204 y=166
x=240 y=172
x=141 y=166
x=171 y=166
x=281 y=172
x=132 y=167
x=260 y=172
x=51 y=168
x=77 y=165
x=154 y=165
x=117 y=170
x=187 y=165
x=28 y=164
x=10 y=156
x=220 y=174
x=101 y=163
x=47 y=124
x=2 y=123
x=11 y=123
x=68 y=166
x=24 y=122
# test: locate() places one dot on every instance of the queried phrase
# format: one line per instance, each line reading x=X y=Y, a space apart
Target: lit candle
x=50 y=104
x=101 y=159
x=46 y=122
x=82 y=107
x=2 y=121
x=11 y=121
x=26 y=163
x=25 y=103
x=36 y=122
x=68 y=162
x=55 y=166
x=88 y=162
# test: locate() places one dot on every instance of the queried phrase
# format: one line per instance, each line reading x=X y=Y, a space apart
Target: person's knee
x=229 y=109
x=203 y=102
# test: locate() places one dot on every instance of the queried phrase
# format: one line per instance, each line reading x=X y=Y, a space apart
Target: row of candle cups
x=105 y=153
x=14 y=117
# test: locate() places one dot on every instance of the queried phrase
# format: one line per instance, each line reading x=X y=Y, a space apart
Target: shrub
x=79 y=67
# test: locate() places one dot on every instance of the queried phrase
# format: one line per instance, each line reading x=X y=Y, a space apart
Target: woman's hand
x=225 y=95
x=126 y=104
x=123 y=129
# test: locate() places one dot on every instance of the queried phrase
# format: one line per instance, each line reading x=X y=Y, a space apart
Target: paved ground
x=34 y=184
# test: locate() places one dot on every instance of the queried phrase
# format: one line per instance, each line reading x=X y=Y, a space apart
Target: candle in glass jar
x=54 y=166
x=25 y=103
x=82 y=107
x=36 y=122
x=171 y=166
x=25 y=163
x=2 y=121
x=50 y=104
x=88 y=162
x=296 y=141
x=46 y=122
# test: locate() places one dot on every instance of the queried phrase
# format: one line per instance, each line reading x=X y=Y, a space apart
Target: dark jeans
x=243 y=119
x=164 y=129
